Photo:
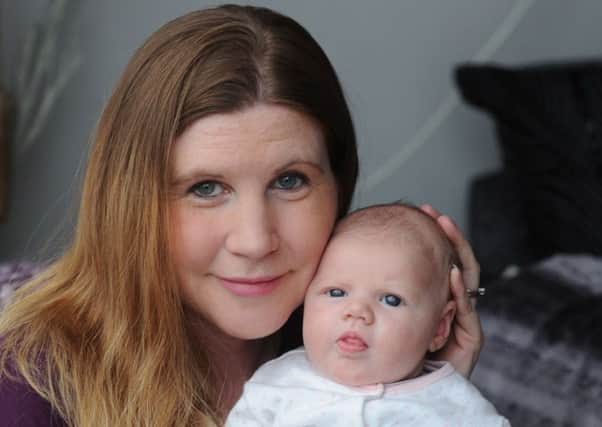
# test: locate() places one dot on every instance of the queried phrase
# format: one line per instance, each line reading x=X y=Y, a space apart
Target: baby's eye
x=290 y=181
x=207 y=189
x=336 y=293
x=390 y=299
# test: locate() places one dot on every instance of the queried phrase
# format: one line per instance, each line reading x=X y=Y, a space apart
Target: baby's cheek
x=316 y=327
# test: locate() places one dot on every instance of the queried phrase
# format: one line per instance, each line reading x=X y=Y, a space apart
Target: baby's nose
x=357 y=310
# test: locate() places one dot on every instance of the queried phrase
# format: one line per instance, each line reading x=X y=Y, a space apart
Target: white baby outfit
x=288 y=392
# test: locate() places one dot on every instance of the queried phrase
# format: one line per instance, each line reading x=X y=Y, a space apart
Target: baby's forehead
x=387 y=216
x=410 y=231
x=395 y=224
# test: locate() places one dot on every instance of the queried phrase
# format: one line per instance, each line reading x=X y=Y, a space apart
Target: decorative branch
x=42 y=74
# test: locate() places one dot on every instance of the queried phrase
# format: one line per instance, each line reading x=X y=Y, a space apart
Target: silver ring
x=475 y=293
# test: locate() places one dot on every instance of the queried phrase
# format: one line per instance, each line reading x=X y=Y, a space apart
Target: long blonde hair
x=101 y=334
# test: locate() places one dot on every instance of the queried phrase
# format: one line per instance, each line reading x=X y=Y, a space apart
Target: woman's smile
x=252 y=286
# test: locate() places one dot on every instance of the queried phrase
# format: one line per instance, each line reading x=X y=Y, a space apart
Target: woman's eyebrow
x=310 y=163
x=194 y=175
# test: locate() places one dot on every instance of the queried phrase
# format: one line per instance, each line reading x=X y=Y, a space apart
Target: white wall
x=395 y=59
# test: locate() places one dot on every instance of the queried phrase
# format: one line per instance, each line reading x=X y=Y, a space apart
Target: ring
x=475 y=293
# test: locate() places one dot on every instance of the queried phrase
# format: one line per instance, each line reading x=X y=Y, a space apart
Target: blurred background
x=417 y=140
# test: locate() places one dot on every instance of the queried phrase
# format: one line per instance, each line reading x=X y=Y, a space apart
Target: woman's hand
x=466 y=339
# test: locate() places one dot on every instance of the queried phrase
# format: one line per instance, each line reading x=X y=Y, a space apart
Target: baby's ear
x=444 y=328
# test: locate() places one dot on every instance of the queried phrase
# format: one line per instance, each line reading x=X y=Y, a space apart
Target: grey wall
x=394 y=58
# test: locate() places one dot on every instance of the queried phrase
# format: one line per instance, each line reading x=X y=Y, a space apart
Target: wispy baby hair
x=402 y=221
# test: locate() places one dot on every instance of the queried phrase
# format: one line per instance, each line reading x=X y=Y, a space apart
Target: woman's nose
x=253 y=232
x=359 y=310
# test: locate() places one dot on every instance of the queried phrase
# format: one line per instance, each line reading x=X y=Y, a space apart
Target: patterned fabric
x=12 y=275
x=542 y=360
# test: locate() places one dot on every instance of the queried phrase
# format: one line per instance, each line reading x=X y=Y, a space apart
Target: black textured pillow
x=498 y=228
x=549 y=124
x=542 y=362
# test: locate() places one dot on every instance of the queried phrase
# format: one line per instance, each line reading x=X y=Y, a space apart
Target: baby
x=378 y=305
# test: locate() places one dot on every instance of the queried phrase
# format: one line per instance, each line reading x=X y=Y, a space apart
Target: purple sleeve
x=21 y=406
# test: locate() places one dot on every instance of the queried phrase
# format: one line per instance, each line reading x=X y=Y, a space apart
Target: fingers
x=467 y=327
x=463 y=348
x=467 y=319
x=431 y=211
x=470 y=266
x=465 y=304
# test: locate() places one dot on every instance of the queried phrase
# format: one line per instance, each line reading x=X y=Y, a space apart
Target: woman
x=220 y=165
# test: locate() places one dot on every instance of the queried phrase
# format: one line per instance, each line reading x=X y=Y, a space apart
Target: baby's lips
x=351 y=342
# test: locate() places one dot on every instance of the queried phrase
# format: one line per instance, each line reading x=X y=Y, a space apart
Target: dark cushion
x=498 y=229
x=549 y=124
x=541 y=364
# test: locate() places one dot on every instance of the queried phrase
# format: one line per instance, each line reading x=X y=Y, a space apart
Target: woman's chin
x=253 y=329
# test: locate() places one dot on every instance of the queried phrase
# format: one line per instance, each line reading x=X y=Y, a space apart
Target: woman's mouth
x=351 y=342
x=251 y=286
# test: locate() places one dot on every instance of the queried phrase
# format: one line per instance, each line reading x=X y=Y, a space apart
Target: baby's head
x=380 y=299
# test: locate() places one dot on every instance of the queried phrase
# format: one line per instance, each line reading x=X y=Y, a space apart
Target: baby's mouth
x=351 y=342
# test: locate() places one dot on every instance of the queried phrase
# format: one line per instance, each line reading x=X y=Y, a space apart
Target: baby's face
x=371 y=311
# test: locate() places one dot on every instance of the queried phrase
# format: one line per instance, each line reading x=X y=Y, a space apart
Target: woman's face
x=253 y=202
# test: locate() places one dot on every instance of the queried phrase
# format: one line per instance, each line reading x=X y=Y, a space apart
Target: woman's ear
x=444 y=328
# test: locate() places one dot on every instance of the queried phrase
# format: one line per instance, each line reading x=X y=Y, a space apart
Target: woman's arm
x=465 y=342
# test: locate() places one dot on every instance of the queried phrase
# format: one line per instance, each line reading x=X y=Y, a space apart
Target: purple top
x=21 y=406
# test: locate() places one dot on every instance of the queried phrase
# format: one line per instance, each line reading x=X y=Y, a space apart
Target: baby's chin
x=358 y=380
x=350 y=378
x=363 y=377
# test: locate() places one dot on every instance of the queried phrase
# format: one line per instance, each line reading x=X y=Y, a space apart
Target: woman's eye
x=390 y=299
x=290 y=181
x=336 y=293
x=207 y=189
